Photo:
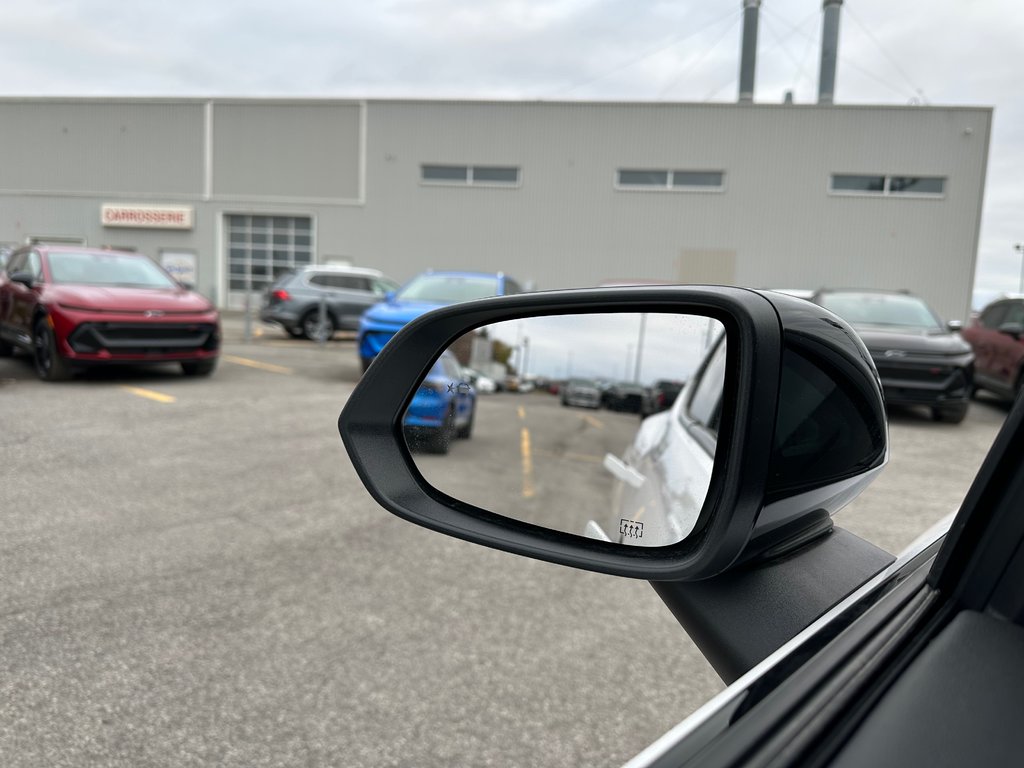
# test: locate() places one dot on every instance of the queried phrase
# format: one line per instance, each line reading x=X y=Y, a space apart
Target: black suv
x=293 y=301
x=920 y=360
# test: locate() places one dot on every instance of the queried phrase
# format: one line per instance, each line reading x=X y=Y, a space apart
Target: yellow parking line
x=524 y=447
x=257 y=364
x=596 y=423
x=149 y=394
x=522 y=413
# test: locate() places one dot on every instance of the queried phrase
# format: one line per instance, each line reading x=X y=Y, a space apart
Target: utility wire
x=892 y=60
x=693 y=65
x=850 y=63
x=676 y=39
x=780 y=42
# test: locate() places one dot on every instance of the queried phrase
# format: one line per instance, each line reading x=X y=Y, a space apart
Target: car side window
x=705 y=403
x=324 y=281
x=35 y=265
x=1014 y=314
x=451 y=369
x=993 y=316
x=351 y=282
x=16 y=264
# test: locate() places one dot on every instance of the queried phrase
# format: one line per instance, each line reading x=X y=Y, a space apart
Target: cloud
x=947 y=52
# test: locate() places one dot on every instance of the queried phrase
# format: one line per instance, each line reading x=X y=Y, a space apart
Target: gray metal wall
x=568 y=225
x=355 y=168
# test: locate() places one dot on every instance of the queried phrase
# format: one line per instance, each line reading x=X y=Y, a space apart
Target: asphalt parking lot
x=193 y=575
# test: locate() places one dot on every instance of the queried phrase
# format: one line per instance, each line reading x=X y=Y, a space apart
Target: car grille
x=924 y=374
x=144 y=338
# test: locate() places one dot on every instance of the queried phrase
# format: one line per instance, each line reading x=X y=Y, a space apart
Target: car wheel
x=199 y=367
x=6 y=350
x=951 y=414
x=50 y=366
x=466 y=430
x=313 y=329
x=440 y=441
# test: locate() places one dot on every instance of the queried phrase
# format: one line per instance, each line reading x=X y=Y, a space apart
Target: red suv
x=997 y=338
x=73 y=307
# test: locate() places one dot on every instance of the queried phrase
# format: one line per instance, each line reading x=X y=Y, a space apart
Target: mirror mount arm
x=742 y=616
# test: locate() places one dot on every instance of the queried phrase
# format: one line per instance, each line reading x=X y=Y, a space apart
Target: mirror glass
x=601 y=425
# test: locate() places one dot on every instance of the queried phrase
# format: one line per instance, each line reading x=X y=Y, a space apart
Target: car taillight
x=281 y=295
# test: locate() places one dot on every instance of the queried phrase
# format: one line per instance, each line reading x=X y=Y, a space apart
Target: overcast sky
x=943 y=52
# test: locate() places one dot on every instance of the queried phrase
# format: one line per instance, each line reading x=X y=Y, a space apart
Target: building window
x=925 y=186
x=260 y=248
x=631 y=178
x=470 y=175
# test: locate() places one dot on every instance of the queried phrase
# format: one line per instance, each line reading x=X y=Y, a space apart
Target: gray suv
x=293 y=301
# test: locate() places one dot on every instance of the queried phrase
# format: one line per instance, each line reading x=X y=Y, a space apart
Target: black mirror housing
x=25 y=278
x=763 y=483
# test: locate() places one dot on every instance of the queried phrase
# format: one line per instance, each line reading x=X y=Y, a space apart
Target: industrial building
x=230 y=192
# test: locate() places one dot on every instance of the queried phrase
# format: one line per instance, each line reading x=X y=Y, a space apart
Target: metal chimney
x=829 y=51
x=748 y=53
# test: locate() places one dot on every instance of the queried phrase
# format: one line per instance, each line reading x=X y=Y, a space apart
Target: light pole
x=1019 y=248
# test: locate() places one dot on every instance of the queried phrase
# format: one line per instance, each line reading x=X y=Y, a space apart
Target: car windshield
x=113 y=269
x=449 y=289
x=884 y=309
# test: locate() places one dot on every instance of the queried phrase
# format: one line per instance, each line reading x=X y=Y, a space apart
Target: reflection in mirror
x=594 y=424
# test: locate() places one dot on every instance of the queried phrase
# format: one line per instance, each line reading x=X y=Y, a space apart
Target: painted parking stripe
x=596 y=423
x=257 y=364
x=524 y=447
x=149 y=394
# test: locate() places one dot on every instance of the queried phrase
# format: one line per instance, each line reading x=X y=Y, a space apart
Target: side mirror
x=188 y=286
x=389 y=296
x=25 y=278
x=955 y=326
x=781 y=424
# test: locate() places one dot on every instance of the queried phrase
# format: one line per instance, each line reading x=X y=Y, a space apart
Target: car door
x=355 y=294
x=23 y=300
x=983 y=336
x=1008 y=346
x=674 y=454
x=461 y=389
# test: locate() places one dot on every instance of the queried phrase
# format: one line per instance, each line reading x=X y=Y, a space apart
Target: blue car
x=423 y=293
x=442 y=409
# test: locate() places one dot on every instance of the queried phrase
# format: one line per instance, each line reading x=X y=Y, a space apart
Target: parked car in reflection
x=920 y=360
x=293 y=300
x=663 y=476
x=423 y=293
x=625 y=397
x=442 y=409
x=996 y=336
x=583 y=393
x=72 y=307
x=660 y=396
x=484 y=385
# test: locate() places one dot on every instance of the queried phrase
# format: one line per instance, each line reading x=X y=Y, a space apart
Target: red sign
x=147 y=216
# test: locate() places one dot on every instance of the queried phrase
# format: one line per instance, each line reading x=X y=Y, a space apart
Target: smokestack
x=748 y=54
x=829 y=51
